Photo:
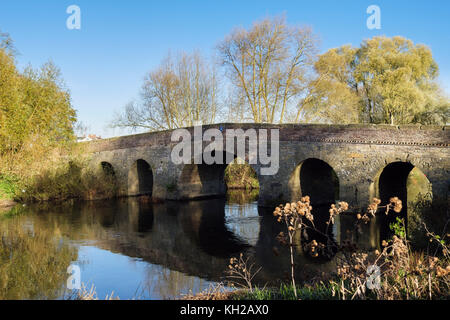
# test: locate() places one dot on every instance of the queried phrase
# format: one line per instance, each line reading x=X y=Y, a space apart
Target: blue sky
x=104 y=63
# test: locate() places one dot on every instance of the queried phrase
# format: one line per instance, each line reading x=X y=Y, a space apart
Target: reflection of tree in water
x=242 y=196
x=242 y=216
x=34 y=260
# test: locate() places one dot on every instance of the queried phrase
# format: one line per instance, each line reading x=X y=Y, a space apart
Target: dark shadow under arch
x=140 y=179
x=393 y=183
x=108 y=169
x=319 y=181
x=199 y=181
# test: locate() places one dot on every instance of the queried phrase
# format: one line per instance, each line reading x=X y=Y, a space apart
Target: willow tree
x=34 y=106
x=6 y=43
x=181 y=92
x=10 y=99
x=268 y=66
x=385 y=80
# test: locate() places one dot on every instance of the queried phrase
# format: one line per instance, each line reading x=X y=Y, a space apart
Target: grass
x=286 y=292
x=8 y=187
x=52 y=173
x=69 y=180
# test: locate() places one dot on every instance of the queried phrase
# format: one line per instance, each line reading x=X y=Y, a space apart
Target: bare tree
x=180 y=93
x=6 y=43
x=269 y=66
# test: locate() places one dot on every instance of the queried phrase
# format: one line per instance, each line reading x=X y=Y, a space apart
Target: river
x=134 y=249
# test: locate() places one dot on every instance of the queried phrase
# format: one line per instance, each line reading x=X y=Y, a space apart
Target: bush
x=240 y=176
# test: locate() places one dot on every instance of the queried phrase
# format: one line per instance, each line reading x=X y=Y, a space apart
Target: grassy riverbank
x=39 y=157
x=52 y=174
x=284 y=292
x=404 y=286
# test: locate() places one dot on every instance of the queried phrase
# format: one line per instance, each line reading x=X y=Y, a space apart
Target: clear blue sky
x=104 y=63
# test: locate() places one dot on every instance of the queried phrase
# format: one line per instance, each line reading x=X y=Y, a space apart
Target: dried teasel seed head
x=343 y=205
x=440 y=272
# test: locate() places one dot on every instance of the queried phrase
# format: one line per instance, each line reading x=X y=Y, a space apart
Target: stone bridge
x=352 y=163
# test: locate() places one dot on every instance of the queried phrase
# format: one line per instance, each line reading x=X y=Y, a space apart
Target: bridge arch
x=107 y=169
x=140 y=179
x=315 y=178
x=407 y=182
x=206 y=180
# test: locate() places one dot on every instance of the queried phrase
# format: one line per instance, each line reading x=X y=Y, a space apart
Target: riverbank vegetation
x=39 y=157
x=240 y=175
x=395 y=271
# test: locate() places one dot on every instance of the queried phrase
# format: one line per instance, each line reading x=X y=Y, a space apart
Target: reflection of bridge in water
x=353 y=163
x=190 y=237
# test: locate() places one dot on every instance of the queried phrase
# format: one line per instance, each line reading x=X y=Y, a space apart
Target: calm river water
x=139 y=250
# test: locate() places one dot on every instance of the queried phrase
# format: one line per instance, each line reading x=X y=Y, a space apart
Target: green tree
x=386 y=80
x=10 y=100
x=47 y=104
x=34 y=105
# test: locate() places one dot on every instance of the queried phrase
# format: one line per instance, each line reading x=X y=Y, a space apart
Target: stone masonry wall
x=357 y=153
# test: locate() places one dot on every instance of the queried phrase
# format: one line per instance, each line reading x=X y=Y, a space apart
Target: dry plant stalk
x=90 y=294
x=241 y=272
x=404 y=274
x=213 y=292
x=292 y=215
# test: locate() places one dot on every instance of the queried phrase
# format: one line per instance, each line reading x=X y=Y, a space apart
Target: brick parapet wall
x=435 y=136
